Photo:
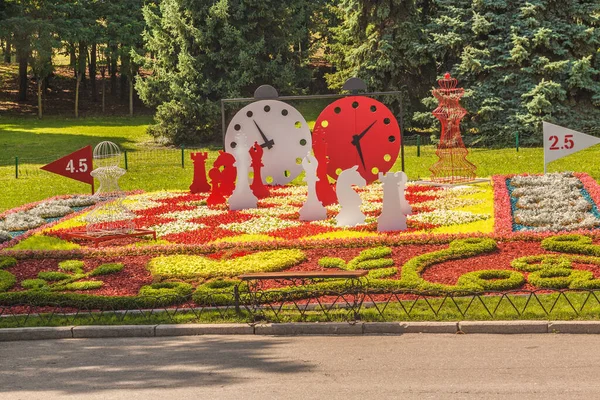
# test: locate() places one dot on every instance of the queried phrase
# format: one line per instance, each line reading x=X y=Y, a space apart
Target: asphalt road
x=410 y=366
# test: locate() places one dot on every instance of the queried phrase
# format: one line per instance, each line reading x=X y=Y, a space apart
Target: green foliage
x=206 y=51
x=573 y=244
x=39 y=242
x=384 y=44
x=536 y=263
x=107 y=269
x=461 y=248
x=71 y=279
x=522 y=63
x=7 y=262
x=80 y=285
x=75 y=266
x=7 y=281
x=332 y=262
x=492 y=280
x=367 y=259
x=53 y=276
x=183 y=266
x=157 y=289
x=382 y=273
x=34 y=284
x=218 y=292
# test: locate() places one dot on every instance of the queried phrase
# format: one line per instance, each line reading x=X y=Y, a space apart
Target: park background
x=149 y=75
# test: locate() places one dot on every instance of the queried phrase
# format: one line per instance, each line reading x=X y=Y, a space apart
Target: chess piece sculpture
x=350 y=202
x=242 y=197
x=312 y=209
x=395 y=206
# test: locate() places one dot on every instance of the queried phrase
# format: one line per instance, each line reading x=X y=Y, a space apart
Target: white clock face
x=280 y=130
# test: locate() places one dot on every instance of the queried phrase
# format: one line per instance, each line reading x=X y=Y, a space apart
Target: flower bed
x=459 y=239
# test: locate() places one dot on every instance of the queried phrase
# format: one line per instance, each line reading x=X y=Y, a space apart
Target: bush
x=52 y=276
x=493 y=280
x=39 y=242
x=218 y=292
x=382 y=273
x=536 y=263
x=185 y=266
x=167 y=289
x=34 y=284
x=551 y=278
x=573 y=244
x=7 y=262
x=107 y=269
x=83 y=285
x=332 y=262
x=372 y=258
x=7 y=281
x=71 y=266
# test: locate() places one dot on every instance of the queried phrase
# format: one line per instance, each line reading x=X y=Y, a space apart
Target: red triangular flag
x=77 y=165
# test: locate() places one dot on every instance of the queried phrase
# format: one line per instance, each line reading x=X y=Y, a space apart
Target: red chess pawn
x=258 y=187
x=216 y=195
x=325 y=191
x=228 y=173
x=199 y=184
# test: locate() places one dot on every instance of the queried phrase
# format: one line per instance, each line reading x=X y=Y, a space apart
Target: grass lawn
x=152 y=167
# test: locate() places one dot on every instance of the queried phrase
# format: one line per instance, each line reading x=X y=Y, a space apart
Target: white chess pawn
x=312 y=209
x=242 y=197
x=350 y=202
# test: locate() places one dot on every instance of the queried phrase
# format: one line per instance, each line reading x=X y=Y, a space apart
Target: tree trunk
x=40 y=84
x=82 y=63
x=73 y=59
x=103 y=94
x=7 y=50
x=77 y=95
x=113 y=71
x=93 y=73
x=124 y=76
x=23 y=56
x=130 y=96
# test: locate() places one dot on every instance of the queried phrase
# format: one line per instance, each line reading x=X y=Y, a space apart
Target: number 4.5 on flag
x=77 y=165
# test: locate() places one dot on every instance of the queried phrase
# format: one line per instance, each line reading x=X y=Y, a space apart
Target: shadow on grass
x=98 y=365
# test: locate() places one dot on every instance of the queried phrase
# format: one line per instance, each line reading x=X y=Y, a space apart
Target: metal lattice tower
x=452 y=166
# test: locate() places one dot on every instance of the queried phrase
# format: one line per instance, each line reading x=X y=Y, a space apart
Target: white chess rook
x=395 y=206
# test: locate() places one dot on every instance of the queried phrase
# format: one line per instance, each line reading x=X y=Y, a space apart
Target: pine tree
x=209 y=50
x=382 y=42
x=523 y=62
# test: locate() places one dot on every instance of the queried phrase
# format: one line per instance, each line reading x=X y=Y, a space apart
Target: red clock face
x=359 y=131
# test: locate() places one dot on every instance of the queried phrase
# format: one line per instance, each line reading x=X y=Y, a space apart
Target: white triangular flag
x=560 y=142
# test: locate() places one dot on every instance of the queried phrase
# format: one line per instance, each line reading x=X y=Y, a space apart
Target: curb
x=302 y=328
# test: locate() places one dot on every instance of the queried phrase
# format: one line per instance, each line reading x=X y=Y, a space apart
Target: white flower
x=260 y=225
x=176 y=227
x=198 y=212
x=447 y=217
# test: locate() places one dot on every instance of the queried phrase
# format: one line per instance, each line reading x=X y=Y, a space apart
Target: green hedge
x=7 y=262
x=107 y=269
x=492 y=280
x=167 y=289
x=7 y=281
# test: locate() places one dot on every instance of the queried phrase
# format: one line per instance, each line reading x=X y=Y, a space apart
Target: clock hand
x=356 y=143
x=268 y=143
x=363 y=133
